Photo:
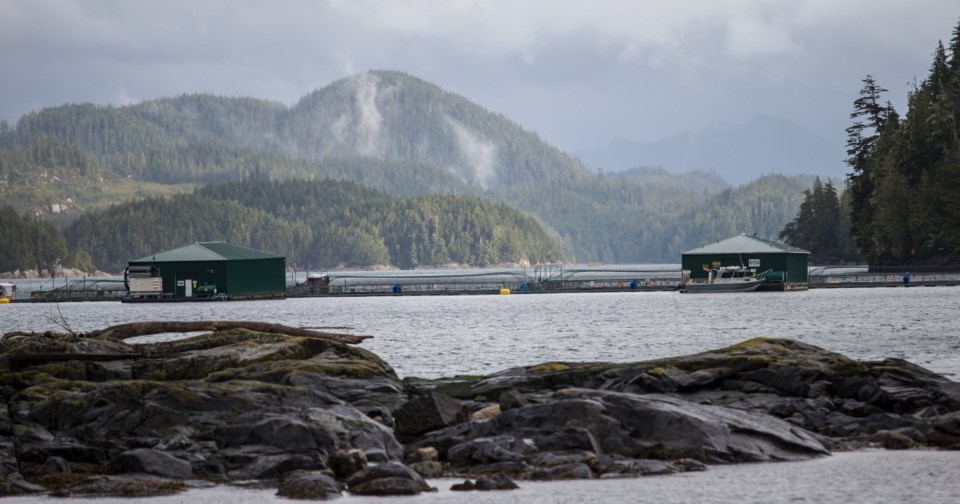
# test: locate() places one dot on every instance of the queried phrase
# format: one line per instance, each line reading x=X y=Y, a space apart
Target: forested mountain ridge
x=399 y=134
x=323 y=223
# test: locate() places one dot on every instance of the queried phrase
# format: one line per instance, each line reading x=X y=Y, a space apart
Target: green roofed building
x=207 y=270
x=786 y=266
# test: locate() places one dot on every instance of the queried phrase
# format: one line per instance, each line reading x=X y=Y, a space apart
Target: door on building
x=186 y=284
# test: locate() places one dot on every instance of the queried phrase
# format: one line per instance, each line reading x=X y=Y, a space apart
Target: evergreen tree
x=820 y=226
x=869 y=119
x=904 y=209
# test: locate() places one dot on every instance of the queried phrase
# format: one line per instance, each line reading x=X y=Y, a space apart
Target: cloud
x=750 y=36
x=577 y=73
x=368 y=117
x=358 y=126
x=479 y=156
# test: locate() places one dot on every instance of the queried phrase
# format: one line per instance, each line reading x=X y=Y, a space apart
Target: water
x=928 y=477
x=436 y=336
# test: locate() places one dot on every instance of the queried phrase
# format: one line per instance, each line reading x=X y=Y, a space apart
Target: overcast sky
x=579 y=73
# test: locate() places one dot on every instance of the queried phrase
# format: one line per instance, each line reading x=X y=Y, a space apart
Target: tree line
x=900 y=206
x=320 y=223
x=823 y=226
x=33 y=245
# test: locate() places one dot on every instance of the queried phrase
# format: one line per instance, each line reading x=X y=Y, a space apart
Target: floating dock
x=538 y=280
x=864 y=279
x=544 y=279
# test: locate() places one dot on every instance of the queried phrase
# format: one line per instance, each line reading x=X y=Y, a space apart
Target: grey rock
x=893 y=440
x=428 y=469
x=264 y=462
x=56 y=465
x=387 y=479
x=427 y=412
x=466 y=486
x=26 y=486
x=308 y=485
x=948 y=424
x=278 y=430
x=148 y=461
x=633 y=426
x=556 y=458
x=620 y=467
x=424 y=454
x=488 y=450
x=500 y=482
x=689 y=465
x=346 y=463
x=39 y=451
x=563 y=472
x=387 y=486
x=510 y=399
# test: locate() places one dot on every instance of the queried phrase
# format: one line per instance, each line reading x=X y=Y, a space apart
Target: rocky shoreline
x=315 y=418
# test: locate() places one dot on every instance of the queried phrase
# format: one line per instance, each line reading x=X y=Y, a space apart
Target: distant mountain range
x=399 y=134
x=737 y=152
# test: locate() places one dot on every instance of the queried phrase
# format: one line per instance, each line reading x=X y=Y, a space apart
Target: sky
x=579 y=73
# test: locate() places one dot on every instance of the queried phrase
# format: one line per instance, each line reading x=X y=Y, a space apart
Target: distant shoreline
x=63 y=273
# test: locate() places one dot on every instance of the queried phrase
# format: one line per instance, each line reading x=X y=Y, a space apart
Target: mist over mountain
x=737 y=152
x=399 y=134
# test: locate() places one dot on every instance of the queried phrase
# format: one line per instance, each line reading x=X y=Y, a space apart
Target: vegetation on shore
x=323 y=223
x=901 y=201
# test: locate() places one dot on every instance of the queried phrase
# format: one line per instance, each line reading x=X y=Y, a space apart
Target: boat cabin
x=727 y=274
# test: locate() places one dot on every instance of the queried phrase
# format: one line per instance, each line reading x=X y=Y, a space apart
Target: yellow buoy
x=504 y=291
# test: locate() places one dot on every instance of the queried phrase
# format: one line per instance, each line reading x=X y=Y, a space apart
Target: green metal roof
x=207 y=251
x=746 y=244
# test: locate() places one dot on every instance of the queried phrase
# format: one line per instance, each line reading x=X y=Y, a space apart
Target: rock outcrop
x=222 y=406
x=842 y=400
x=315 y=418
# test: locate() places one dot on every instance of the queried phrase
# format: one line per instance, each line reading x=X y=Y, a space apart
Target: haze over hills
x=737 y=152
x=396 y=133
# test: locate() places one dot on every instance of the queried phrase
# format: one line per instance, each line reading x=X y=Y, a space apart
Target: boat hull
x=722 y=287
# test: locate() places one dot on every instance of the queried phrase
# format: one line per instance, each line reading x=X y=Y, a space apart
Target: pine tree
x=870 y=117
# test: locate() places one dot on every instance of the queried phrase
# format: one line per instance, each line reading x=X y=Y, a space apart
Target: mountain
x=737 y=152
x=399 y=134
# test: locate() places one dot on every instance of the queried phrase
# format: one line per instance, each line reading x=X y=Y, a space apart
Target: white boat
x=726 y=279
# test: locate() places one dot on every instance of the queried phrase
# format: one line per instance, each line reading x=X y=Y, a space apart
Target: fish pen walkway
x=863 y=279
x=537 y=280
x=541 y=279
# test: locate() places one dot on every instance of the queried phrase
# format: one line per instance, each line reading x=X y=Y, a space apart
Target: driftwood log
x=134 y=329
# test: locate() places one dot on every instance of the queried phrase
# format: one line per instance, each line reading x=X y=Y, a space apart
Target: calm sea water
x=445 y=335
x=431 y=336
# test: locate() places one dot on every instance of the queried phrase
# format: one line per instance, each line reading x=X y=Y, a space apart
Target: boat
x=726 y=279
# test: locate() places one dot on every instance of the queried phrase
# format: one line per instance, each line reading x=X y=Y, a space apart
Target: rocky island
x=313 y=415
